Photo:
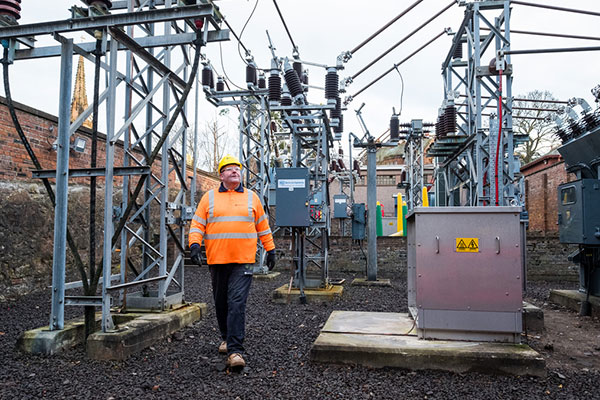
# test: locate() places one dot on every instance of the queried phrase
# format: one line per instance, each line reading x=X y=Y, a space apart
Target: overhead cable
x=525 y=3
x=561 y=35
x=295 y=48
x=403 y=39
x=367 y=40
x=400 y=63
x=527 y=100
x=559 y=50
x=242 y=33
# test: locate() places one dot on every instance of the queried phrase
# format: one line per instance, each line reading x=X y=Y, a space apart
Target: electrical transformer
x=465 y=273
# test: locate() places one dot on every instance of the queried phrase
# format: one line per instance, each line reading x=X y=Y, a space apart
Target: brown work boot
x=235 y=360
x=223 y=347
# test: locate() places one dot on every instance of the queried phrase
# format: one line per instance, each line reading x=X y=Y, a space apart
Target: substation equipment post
x=466 y=255
x=302 y=189
x=148 y=147
x=578 y=200
x=369 y=143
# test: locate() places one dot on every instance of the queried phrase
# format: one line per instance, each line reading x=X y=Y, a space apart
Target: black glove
x=196 y=259
x=271 y=259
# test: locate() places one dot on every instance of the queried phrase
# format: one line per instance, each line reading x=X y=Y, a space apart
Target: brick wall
x=41 y=129
x=541 y=199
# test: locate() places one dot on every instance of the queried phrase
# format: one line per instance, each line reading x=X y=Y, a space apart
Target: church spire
x=80 y=103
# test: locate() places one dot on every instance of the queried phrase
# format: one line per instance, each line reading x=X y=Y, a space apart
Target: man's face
x=231 y=176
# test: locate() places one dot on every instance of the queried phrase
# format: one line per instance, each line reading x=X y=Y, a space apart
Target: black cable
x=403 y=39
x=223 y=68
x=402 y=91
x=367 y=40
x=36 y=163
x=524 y=3
x=242 y=33
x=295 y=48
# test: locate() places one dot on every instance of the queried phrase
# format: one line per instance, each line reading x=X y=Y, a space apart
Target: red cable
x=499 y=136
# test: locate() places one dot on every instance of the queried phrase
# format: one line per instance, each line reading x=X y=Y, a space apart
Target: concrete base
x=572 y=299
x=533 y=318
x=266 y=277
x=281 y=294
x=135 y=331
x=365 y=282
x=389 y=340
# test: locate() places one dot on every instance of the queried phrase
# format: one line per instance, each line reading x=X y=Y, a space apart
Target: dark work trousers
x=231 y=285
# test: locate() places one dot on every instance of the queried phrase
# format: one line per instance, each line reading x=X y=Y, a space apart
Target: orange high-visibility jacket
x=231 y=221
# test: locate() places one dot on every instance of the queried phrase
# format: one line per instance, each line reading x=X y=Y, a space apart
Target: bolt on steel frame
x=140 y=140
x=254 y=144
x=465 y=160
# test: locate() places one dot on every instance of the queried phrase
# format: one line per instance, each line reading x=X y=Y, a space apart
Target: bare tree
x=530 y=119
x=214 y=143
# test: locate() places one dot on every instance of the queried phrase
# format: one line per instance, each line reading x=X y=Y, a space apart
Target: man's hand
x=271 y=259
x=196 y=259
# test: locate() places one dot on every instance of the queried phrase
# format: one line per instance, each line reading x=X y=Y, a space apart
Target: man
x=231 y=219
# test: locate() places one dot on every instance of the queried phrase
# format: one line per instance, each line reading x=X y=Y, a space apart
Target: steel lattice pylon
x=154 y=84
x=465 y=152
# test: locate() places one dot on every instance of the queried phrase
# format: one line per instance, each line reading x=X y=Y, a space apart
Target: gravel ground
x=279 y=338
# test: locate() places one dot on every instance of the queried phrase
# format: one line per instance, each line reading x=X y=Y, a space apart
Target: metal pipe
x=558 y=50
x=524 y=3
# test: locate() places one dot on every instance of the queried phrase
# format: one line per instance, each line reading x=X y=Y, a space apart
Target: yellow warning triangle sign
x=461 y=245
x=473 y=245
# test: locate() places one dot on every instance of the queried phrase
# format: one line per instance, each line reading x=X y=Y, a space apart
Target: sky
x=323 y=29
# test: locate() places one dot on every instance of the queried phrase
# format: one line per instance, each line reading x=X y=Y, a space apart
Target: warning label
x=467 y=245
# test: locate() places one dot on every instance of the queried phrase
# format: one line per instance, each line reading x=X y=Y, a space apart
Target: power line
x=295 y=48
x=561 y=35
x=403 y=40
x=354 y=50
x=396 y=65
x=524 y=3
x=242 y=32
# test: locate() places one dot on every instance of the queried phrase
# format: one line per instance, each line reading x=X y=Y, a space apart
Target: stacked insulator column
x=292 y=80
x=262 y=83
x=286 y=99
x=251 y=74
x=220 y=84
x=331 y=84
x=274 y=86
x=458 y=52
x=394 y=128
x=207 y=77
x=11 y=8
x=450 y=121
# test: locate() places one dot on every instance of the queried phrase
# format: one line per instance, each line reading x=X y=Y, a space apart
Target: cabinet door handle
x=497 y=245
x=437 y=244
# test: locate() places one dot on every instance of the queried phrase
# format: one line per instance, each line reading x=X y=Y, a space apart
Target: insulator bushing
x=341 y=163
x=450 y=119
x=293 y=82
x=274 y=87
x=298 y=68
x=286 y=99
x=337 y=111
x=102 y=3
x=394 y=128
x=334 y=166
x=262 y=82
x=11 y=8
x=211 y=83
x=340 y=127
x=206 y=75
x=458 y=53
x=331 y=84
x=220 y=84
x=250 y=74
x=305 y=79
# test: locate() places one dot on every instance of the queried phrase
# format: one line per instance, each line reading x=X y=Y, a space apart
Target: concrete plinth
x=141 y=332
x=365 y=282
x=135 y=331
x=389 y=340
x=266 y=277
x=533 y=318
x=283 y=295
x=572 y=299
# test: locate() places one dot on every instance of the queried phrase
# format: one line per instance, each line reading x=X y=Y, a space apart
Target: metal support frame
x=413 y=149
x=159 y=263
x=465 y=159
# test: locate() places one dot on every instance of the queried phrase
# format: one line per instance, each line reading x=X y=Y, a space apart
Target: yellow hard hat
x=228 y=159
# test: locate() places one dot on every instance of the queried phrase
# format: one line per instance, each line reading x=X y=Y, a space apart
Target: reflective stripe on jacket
x=230 y=223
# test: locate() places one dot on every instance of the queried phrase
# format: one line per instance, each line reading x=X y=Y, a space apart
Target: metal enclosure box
x=359 y=221
x=465 y=272
x=292 y=192
x=579 y=212
x=340 y=205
